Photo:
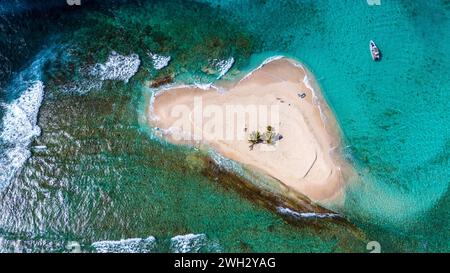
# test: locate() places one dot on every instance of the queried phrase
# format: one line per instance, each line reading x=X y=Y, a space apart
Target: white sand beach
x=305 y=158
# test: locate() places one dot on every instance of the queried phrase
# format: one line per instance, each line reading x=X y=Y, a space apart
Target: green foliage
x=268 y=137
x=255 y=137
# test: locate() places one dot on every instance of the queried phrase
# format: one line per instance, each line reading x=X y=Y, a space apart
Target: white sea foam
x=316 y=99
x=192 y=243
x=306 y=215
x=11 y=160
x=134 y=245
x=11 y=244
x=266 y=61
x=225 y=163
x=159 y=62
x=19 y=127
x=204 y=86
x=223 y=66
x=20 y=120
x=83 y=86
x=117 y=67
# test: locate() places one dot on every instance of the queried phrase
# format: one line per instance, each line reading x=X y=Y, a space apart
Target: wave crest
x=117 y=67
x=306 y=215
x=19 y=127
x=134 y=245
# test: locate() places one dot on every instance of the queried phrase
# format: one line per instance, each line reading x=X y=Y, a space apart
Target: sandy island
x=305 y=158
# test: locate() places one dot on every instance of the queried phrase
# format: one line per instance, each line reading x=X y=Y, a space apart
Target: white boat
x=376 y=54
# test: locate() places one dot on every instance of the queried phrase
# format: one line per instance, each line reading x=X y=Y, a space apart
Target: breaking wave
x=117 y=67
x=134 y=245
x=159 y=62
x=19 y=128
x=223 y=66
x=19 y=124
x=218 y=67
x=306 y=215
x=266 y=61
x=188 y=243
x=193 y=243
x=20 y=120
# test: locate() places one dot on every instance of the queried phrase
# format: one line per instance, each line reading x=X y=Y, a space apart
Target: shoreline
x=322 y=172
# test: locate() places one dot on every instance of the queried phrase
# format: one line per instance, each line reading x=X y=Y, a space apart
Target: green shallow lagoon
x=104 y=177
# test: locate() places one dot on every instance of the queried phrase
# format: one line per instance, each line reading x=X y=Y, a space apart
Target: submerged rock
x=161 y=81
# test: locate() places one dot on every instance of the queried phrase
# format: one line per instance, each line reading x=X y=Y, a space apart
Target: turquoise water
x=394 y=114
x=103 y=177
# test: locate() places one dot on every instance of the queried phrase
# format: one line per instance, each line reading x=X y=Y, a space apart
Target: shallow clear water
x=394 y=114
x=96 y=174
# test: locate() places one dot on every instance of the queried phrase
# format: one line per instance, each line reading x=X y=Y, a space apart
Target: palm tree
x=255 y=138
x=269 y=135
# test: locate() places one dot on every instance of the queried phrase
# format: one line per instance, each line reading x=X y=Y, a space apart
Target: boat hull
x=376 y=55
